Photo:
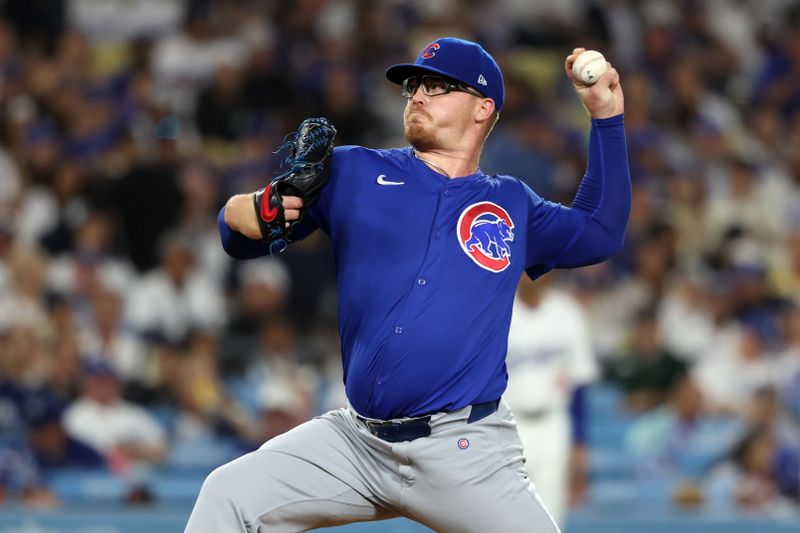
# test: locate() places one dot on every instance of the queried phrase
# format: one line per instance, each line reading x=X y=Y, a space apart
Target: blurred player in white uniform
x=550 y=361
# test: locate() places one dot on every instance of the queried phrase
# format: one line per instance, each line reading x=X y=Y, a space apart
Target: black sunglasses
x=435 y=86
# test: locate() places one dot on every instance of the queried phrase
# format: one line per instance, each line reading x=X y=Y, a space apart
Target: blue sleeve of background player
x=578 y=410
x=593 y=229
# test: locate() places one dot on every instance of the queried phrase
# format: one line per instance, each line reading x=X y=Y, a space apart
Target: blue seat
x=609 y=464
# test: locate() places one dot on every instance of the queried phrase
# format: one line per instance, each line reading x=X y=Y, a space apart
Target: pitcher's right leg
x=298 y=481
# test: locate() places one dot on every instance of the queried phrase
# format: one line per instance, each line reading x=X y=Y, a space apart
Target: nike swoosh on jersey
x=383 y=181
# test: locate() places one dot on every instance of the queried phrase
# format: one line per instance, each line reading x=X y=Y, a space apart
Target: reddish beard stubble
x=417 y=135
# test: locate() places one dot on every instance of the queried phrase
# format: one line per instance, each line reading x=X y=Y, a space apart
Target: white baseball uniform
x=549 y=354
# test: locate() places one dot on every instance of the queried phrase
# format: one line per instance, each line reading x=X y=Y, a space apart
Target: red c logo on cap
x=429 y=51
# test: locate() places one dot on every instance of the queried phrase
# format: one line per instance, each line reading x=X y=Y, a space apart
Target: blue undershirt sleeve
x=593 y=229
x=237 y=245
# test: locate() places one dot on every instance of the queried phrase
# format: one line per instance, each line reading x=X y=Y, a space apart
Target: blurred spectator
x=24 y=361
x=124 y=433
x=198 y=221
x=149 y=202
x=787 y=370
x=283 y=385
x=346 y=107
x=188 y=59
x=613 y=308
x=734 y=370
x=38 y=23
x=264 y=286
x=646 y=371
x=22 y=301
x=120 y=20
x=12 y=399
x=777 y=84
x=62 y=368
x=548 y=22
x=785 y=269
x=687 y=315
x=6 y=246
x=680 y=439
x=67 y=210
x=210 y=427
x=53 y=448
x=89 y=265
x=761 y=476
x=9 y=177
x=528 y=149
x=754 y=458
x=219 y=113
x=783 y=185
x=106 y=336
x=21 y=480
x=742 y=206
x=766 y=411
x=175 y=298
x=688 y=212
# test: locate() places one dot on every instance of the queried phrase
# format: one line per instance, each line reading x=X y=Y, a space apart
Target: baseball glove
x=308 y=163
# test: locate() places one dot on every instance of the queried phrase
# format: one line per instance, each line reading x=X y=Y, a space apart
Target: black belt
x=414 y=428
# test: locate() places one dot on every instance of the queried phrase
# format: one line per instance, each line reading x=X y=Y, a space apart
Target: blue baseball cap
x=99 y=368
x=460 y=60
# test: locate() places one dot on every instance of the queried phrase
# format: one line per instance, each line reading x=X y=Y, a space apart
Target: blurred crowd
x=130 y=343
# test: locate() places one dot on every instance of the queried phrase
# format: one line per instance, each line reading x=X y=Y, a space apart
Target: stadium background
x=125 y=125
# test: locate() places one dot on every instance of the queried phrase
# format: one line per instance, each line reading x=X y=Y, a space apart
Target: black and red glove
x=310 y=149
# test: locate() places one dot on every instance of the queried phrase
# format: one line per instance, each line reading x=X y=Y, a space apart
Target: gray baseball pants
x=332 y=471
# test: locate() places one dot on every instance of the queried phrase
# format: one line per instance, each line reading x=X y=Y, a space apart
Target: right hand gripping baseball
x=603 y=99
x=310 y=148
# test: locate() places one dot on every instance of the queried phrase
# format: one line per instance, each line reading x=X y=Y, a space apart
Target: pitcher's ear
x=485 y=110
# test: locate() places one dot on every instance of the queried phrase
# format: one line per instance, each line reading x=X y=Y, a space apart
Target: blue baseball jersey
x=427 y=266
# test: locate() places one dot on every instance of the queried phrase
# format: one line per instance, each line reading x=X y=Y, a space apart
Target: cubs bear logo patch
x=485 y=232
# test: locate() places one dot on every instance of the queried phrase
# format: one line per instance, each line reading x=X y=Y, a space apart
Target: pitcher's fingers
x=292 y=202
x=291 y=214
x=614 y=82
x=568 y=67
x=609 y=78
x=572 y=57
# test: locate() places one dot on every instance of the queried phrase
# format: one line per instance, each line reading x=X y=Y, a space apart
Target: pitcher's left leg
x=470 y=478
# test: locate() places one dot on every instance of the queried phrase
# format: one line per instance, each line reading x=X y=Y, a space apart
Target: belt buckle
x=400 y=430
x=373 y=425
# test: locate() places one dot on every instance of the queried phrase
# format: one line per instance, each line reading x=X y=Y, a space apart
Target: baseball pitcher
x=428 y=250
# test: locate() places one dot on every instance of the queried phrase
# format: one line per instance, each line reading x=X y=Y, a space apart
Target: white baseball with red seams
x=589 y=66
